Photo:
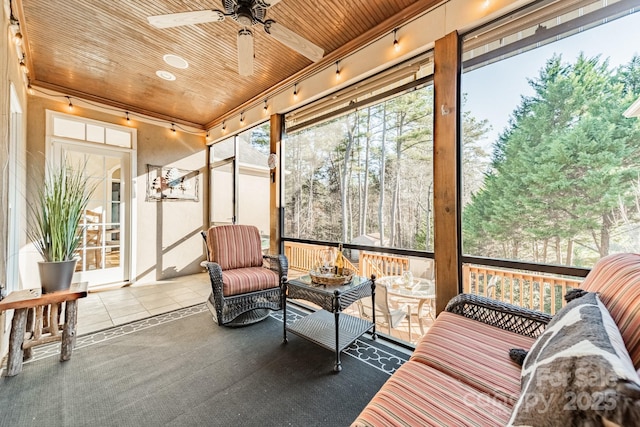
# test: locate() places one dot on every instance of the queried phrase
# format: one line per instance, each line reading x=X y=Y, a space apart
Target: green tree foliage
x=564 y=166
x=369 y=172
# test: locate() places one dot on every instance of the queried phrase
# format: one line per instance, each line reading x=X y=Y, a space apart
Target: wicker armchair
x=245 y=285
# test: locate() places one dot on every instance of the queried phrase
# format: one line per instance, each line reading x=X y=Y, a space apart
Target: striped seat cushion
x=243 y=280
x=419 y=395
x=617 y=279
x=234 y=246
x=474 y=353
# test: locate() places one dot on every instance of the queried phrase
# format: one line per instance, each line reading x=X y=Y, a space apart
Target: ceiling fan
x=247 y=13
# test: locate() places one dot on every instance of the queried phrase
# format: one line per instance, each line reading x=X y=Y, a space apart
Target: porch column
x=446 y=166
x=276 y=129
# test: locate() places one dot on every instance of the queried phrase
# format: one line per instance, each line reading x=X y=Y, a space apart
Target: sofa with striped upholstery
x=460 y=373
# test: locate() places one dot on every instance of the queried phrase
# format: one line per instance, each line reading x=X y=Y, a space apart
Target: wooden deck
x=530 y=290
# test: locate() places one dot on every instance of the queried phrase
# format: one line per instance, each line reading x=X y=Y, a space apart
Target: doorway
x=104 y=254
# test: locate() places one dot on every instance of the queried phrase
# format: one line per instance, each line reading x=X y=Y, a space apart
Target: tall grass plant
x=56 y=214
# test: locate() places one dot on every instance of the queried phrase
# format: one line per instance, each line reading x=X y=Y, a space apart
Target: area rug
x=181 y=369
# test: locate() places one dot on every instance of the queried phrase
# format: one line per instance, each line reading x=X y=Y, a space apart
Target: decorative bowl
x=331 y=279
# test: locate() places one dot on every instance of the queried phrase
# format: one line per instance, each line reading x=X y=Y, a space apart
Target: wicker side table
x=329 y=327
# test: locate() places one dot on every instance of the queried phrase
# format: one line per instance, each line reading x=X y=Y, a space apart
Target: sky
x=494 y=91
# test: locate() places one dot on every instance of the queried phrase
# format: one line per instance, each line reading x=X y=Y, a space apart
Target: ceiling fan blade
x=245 y=52
x=267 y=3
x=293 y=41
x=185 y=18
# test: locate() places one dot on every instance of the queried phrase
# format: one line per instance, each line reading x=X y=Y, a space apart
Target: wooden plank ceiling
x=108 y=51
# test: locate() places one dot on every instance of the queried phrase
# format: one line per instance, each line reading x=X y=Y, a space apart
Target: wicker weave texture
x=502 y=315
x=229 y=307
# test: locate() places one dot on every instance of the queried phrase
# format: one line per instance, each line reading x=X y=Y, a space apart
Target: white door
x=104 y=251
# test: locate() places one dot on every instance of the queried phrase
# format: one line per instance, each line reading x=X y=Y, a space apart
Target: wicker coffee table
x=329 y=327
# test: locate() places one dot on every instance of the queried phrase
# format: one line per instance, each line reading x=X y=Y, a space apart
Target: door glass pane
x=254 y=177
x=222 y=193
x=100 y=247
x=118 y=138
x=95 y=133
x=68 y=128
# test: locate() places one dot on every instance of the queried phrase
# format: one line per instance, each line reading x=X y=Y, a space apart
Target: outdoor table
x=422 y=290
x=329 y=327
x=36 y=321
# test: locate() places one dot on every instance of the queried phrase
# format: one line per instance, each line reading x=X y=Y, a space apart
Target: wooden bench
x=36 y=321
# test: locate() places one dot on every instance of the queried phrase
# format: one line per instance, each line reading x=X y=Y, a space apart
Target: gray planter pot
x=56 y=276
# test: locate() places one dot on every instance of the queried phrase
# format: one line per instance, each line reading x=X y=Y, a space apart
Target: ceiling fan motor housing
x=246 y=12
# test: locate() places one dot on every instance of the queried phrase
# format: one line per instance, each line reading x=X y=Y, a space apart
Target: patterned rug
x=181 y=369
x=374 y=353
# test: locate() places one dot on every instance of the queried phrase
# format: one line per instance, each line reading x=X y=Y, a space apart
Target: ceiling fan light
x=244 y=16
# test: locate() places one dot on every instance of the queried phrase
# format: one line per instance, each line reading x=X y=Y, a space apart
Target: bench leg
x=18 y=329
x=69 y=330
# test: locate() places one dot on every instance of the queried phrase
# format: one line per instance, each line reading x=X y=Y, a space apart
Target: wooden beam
x=276 y=128
x=446 y=164
x=106 y=103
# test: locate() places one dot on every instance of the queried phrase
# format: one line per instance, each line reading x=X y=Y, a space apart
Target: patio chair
x=246 y=285
x=386 y=315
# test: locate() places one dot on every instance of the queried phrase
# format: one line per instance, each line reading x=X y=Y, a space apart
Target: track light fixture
x=396 y=45
x=337 y=70
x=70 y=104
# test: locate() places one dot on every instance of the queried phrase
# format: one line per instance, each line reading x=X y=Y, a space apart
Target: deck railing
x=530 y=290
x=535 y=291
x=305 y=257
x=381 y=265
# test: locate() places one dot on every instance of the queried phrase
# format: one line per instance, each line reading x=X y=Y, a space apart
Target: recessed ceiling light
x=176 y=61
x=165 y=75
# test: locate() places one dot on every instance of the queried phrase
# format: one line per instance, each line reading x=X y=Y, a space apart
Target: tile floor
x=103 y=309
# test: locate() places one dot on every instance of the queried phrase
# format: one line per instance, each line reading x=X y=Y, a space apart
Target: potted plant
x=55 y=224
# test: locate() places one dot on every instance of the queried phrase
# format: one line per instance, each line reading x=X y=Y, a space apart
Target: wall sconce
x=173 y=128
x=396 y=44
x=17 y=38
x=126 y=113
x=224 y=126
x=70 y=104
x=266 y=107
x=23 y=66
x=272 y=162
x=295 y=91
x=337 y=70
x=242 y=118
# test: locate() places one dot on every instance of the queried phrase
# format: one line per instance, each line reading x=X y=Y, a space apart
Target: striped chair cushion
x=474 y=353
x=617 y=279
x=235 y=246
x=419 y=395
x=243 y=280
